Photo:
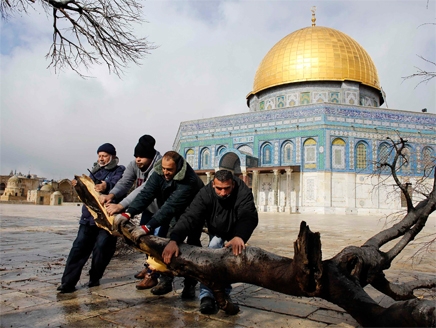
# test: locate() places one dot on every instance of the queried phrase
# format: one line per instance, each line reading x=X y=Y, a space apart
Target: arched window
x=205 y=158
x=405 y=160
x=220 y=150
x=338 y=154
x=310 y=154
x=245 y=149
x=267 y=154
x=190 y=157
x=428 y=159
x=361 y=153
x=287 y=152
x=383 y=153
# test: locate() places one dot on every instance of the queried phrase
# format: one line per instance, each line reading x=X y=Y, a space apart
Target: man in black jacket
x=174 y=185
x=227 y=206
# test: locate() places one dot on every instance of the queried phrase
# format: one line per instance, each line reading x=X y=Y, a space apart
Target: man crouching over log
x=226 y=204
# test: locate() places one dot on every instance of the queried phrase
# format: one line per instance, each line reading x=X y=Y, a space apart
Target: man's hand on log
x=170 y=249
x=114 y=208
x=101 y=186
x=103 y=199
x=139 y=231
x=237 y=245
x=119 y=220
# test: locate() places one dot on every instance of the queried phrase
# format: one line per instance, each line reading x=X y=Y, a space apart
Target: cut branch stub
x=87 y=194
x=308 y=260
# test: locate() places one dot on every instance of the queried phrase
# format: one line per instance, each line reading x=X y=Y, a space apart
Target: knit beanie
x=145 y=147
x=107 y=148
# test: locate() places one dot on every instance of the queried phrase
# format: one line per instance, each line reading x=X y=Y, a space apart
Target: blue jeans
x=214 y=242
x=145 y=217
x=90 y=239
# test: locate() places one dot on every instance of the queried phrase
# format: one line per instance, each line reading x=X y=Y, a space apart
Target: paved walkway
x=35 y=240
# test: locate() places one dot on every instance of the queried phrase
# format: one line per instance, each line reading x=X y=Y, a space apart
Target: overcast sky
x=204 y=66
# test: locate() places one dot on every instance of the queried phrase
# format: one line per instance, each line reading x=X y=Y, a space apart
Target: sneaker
x=65 y=289
x=148 y=282
x=142 y=274
x=207 y=305
x=164 y=286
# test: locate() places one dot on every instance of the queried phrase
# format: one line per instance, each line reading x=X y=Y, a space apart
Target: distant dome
x=13 y=182
x=315 y=53
x=14 y=179
x=47 y=187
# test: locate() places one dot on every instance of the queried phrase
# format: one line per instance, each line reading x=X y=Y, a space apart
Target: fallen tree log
x=340 y=280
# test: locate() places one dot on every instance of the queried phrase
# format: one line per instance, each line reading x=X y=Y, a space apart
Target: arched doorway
x=231 y=161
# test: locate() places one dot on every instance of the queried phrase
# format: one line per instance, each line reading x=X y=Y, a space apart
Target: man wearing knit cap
x=136 y=174
x=174 y=185
x=91 y=239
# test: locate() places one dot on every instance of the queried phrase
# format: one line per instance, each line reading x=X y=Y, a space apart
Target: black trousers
x=90 y=239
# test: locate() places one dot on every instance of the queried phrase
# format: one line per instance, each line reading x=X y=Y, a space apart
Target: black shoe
x=65 y=289
x=163 y=287
x=188 y=292
x=207 y=305
x=93 y=283
x=233 y=309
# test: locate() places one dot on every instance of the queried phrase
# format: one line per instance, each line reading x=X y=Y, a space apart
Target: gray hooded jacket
x=134 y=176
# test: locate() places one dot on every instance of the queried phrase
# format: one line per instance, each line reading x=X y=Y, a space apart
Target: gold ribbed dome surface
x=315 y=53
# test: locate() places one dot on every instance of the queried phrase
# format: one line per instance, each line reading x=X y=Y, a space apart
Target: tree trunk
x=339 y=280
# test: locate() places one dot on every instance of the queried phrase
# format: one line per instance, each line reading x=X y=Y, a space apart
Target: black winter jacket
x=172 y=196
x=234 y=216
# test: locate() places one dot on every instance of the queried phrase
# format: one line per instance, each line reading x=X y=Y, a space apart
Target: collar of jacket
x=179 y=175
x=156 y=158
x=112 y=164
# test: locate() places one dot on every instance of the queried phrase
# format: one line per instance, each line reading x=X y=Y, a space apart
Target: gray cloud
x=204 y=66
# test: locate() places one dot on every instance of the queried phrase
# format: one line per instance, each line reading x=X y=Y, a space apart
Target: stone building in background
x=36 y=190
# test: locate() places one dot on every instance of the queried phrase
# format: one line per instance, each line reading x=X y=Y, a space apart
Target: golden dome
x=315 y=53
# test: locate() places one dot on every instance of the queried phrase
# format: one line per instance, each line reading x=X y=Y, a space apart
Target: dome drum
x=304 y=93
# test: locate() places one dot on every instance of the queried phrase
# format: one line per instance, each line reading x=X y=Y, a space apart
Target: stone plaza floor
x=35 y=241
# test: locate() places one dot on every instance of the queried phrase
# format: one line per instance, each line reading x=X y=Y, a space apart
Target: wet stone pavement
x=35 y=241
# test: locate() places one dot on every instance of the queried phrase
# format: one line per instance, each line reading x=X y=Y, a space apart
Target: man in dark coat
x=227 y=207
x=174 y=185
x=91 y=239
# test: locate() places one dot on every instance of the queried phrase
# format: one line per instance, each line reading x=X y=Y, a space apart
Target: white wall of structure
x=331 y=193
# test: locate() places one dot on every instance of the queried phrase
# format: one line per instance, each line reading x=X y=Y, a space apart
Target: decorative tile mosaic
x=292 y=99
x=280 y=101
x=305 y=98
x=318 y=97
x=262 y=105
x=335 y=97
x=351 y=97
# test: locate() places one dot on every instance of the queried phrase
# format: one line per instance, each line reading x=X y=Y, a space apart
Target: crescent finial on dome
x=313 y=9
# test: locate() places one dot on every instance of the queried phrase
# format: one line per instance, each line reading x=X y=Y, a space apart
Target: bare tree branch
x=90 y=32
